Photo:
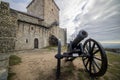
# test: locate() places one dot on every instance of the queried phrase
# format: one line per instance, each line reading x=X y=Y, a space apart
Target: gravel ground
x=36 y=64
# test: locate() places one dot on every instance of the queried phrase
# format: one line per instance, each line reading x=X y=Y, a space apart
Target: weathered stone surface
x=19 y=31
x=36 y=8
x=7 y=38
x=3 y=74
x=7 y=28
x=51 y=12
x=28 y=32
x=25 y=17
x=6 y=45
x=4 y=60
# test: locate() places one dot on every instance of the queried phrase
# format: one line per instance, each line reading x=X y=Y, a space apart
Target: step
x=3 y=74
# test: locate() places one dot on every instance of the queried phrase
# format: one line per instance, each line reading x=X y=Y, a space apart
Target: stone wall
x=60 y=33
x=29 y=27
x=44 y=9
x=51 y=12
x=25 y=17
x=18 y=31
x=36 y=10
x=27 y=33
x=7 y=36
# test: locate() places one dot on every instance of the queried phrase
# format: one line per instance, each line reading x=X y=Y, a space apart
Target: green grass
x=113 y=71
x=55 y=48
x=14 y=60
x=70 y=72
x=10 y=75
x=50 y=47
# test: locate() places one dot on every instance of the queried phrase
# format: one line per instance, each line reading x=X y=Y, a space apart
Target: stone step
x=3 y=74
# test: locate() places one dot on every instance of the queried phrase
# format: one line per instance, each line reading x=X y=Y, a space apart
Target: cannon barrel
x=81 y=35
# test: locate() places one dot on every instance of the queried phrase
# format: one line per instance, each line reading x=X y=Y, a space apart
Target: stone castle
x=36 y=26
x=30 y=30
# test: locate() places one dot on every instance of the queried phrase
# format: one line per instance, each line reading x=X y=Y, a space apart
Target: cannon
x=93 y=55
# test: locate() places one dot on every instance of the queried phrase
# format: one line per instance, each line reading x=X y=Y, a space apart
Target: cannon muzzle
x=81 y=35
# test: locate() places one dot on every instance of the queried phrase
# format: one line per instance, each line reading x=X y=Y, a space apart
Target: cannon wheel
x=95 y=59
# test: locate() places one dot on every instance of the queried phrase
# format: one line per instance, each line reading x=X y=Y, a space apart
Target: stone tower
x=45 y=9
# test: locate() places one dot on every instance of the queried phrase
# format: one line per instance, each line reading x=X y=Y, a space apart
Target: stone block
x=3 y=74
x=4 y=60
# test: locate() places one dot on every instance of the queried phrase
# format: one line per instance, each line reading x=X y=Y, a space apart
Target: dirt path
x=41 y=65
x=35 y=65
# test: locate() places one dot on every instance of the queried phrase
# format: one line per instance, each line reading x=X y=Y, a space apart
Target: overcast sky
x=100 y=18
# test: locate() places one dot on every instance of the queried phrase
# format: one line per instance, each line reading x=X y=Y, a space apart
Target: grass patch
x=113 y=71
x=68 y=69
x=67 y=72
x=48 y=76
x=63 y=48
x=80 y=76
x=14 y=60
x=50 y=47
x=10 y=75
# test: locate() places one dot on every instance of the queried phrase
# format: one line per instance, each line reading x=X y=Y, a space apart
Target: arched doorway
x=36 y=43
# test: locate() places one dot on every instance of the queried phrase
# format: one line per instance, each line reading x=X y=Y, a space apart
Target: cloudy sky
x=100 y=18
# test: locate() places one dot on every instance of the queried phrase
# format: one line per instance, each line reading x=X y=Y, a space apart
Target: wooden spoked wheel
x=95 y=59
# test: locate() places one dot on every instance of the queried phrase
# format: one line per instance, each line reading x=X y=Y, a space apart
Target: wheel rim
x=95 y=60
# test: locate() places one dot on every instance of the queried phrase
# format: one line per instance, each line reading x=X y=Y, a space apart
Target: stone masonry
x=7 y=38
x=37 y=25
x=30 y=30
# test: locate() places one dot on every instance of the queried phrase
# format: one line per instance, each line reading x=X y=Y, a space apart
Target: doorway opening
x=36 y=42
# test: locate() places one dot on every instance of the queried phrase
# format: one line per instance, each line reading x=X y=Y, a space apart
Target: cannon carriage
x=93 y=55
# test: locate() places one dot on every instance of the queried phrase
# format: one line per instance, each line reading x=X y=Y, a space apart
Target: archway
x=53 y=41
x=36 y=43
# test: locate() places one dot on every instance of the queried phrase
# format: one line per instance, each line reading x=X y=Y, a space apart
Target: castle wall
x=30 y=27
x=7 y=38
x=18 y=31
x=24 y=17
x=51 y=12
x=36 y=10
x=59 y=33
x=27 y=33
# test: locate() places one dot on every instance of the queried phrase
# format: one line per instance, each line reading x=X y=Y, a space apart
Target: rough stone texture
x=45 y=9
x=36 y=10
x=27 y=18
x=19 y=30
x=3 y=74
x=30 y=32
x=4 y=60
x=30 y=26
x=51 y=12
x=7 y=29
x=7 y=36
x=59 y=33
